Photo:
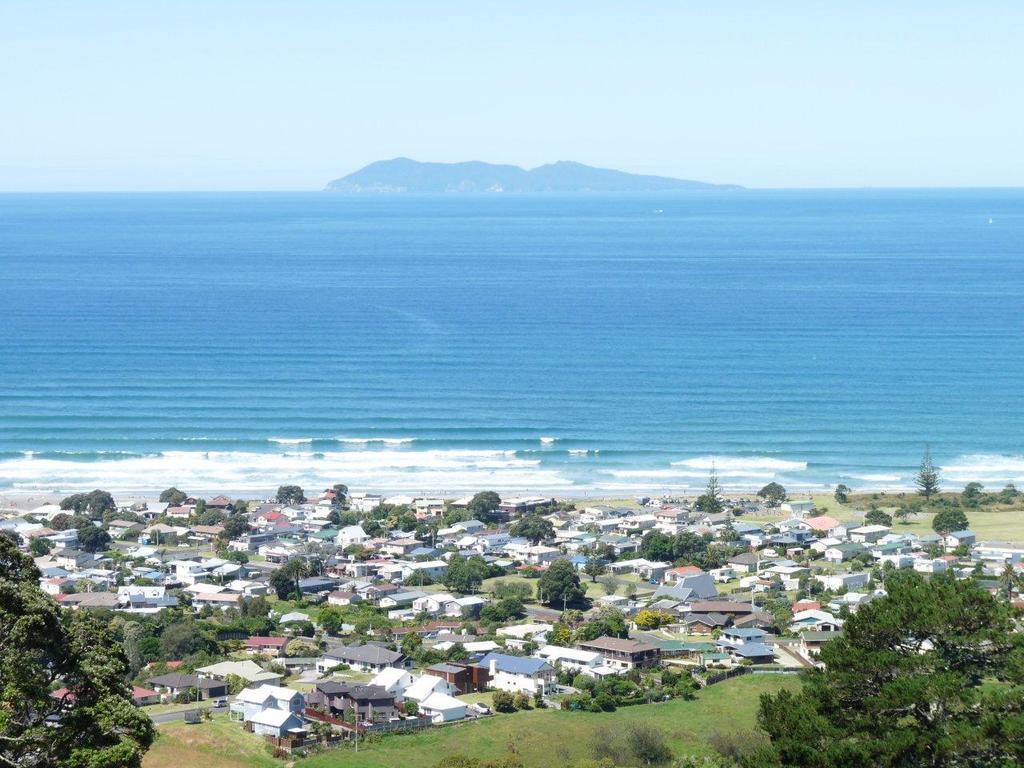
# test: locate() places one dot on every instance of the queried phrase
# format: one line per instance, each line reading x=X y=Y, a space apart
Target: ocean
x=583 y=345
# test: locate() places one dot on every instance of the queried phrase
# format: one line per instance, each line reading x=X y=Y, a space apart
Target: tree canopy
x=773 y=494
x=483 y=505
x=290 y=494
x=929 y=675
x=173 y=497
x=560 y=585
x=533 y=527
x=93 y=504
x=710 y=502
x=949 y=520
x=95 y=722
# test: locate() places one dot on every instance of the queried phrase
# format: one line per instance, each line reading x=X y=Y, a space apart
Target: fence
x=396 y=726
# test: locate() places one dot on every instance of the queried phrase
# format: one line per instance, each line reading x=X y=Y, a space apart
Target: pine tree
x=710 y=502
x=927 y=479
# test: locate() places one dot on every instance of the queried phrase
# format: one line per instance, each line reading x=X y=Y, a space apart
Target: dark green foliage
x=502 y=611
x=504 y=701
x=949 y=520
x=559 y=585
x=533 y=527
x=773 y=494
x=173 y=497
x=972 y=494
x=290 y=494
x=877 y=517
x=93 y=504
x=40 y=546
x=842 y=494
x=710 y=502
x=465 y=574
x=483 y=506
x=92 y=538
x=912 y=682
x=41 y=645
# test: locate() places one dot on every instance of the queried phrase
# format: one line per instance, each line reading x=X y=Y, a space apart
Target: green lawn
x=218 y=743
x=543 y=738
x=999 y=522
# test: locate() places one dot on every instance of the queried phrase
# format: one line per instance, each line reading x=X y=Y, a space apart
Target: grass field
x=992 y=522
x=542 y=738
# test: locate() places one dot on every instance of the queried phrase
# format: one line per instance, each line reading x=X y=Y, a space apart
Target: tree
x=842 y=494
x=290 y=494
x=92 y=538
x=340 y=494
x=93 y=504
x=877 y=517
x=949 y=520
x=903 y=513
x=909 y=683
x=234 y=527
x=650 y=619
x=173 y=497
x=483 y=505
x=710 y=502
x=95 y=723
x=594 y=567
x=131 y=633
x=464 y=574
x=972 y=494
x=1009 y=494
x=773 y=494
x=503 y=701
x=560 y=584
x=927 y=478
x=40 y=546
x=182 y=639
x=533 y=527
x=294 y=571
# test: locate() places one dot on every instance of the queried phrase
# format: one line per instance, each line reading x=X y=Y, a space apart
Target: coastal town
x=315 y=621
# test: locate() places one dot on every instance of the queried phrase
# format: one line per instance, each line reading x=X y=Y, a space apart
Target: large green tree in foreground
x=930 y=675
x=94 y=724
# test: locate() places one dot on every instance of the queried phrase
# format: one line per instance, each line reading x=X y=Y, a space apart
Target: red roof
x=271 y=516
x=687 y=570
x=142 y=693
x=806 y=605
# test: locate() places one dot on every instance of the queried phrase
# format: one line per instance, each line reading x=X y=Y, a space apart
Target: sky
x=254 y=95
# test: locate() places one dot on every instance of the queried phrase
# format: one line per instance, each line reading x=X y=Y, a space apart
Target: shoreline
x=24 y=499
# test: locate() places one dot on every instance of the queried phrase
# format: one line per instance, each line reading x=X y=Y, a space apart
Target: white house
x=571 y=658
x=251 y=701
x=516 y=673
x=442 y=708
x=393 y=680
x=275 y=722
x=351 y=534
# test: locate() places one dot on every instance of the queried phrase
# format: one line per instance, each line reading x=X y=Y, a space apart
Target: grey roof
x=365 y=654
x=752 y=650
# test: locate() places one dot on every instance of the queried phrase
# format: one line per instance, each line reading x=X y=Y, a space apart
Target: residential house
x=518 y=673
x=367 y=658
x=623 y=653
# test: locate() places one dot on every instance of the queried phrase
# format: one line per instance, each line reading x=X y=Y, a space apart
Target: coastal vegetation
x=932 y=674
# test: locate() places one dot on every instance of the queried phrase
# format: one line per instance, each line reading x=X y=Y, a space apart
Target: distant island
x=405 y=175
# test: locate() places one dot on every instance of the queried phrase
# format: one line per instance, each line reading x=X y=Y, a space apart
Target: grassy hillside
x=544 y=739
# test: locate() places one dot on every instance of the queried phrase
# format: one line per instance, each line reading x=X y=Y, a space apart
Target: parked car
x=220 y=703
x=480 y=709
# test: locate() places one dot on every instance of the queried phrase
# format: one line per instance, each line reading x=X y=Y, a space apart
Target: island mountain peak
x=403 y=174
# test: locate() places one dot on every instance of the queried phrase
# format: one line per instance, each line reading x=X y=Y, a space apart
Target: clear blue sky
x=216 y=94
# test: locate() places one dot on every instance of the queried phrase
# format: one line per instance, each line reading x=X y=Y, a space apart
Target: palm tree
x=1010 y=580
x=296 y=570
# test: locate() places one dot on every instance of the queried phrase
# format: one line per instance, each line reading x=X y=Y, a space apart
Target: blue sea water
x=573 y=344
